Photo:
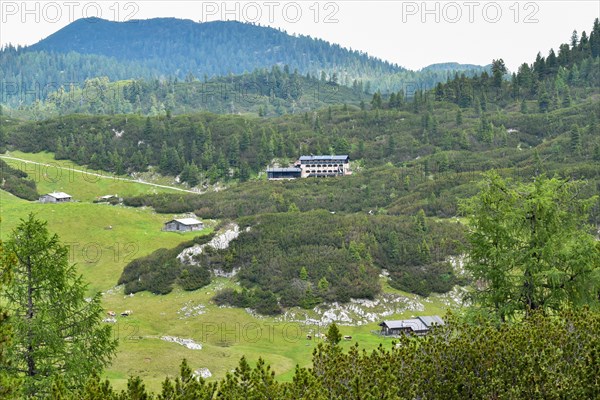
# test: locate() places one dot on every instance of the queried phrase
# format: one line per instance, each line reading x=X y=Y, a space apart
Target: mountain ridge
x=178 y=39
x=40 y=45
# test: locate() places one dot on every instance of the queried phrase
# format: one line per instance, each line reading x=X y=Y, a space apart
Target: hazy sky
x=413 y=34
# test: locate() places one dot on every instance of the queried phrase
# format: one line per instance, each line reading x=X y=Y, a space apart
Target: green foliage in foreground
x=56 y=330
x=8 y=384
x=531 y=247
x=541 y=357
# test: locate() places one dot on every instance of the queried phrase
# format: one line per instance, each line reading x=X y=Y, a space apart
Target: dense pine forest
x=183 y=46
x=75 y=62
x=263 y=92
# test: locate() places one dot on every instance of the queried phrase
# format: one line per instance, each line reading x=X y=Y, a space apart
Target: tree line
x=551 y=81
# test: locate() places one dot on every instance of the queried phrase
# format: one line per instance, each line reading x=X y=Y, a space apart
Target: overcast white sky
x=413 y=34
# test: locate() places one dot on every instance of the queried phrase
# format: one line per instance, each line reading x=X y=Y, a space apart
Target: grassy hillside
x=389 y=225
x=225 y=334
x=83 y=183
x=104 y=238
x=99 y=251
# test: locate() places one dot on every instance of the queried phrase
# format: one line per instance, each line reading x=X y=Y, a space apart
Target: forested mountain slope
x=264 y=92
x=167 y=49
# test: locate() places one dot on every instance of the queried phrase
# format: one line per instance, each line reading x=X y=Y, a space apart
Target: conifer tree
x=530 y=247
x=333 y=335
x=8 y=384
x=57 y=330
x=459 y=118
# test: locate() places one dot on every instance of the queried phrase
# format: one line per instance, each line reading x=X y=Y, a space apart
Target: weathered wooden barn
x=418 y=325
x=183 y=225
x=55 y=197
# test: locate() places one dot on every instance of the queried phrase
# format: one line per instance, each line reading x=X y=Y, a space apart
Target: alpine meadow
x=225 y=210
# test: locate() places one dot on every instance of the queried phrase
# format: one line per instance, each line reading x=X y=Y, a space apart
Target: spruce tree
x=333 y=335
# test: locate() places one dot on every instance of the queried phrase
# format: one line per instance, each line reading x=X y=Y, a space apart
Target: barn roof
x=326 y=158
x=431 y=320
x=414 y=323
x=59 y=195
x=417 y=324
x=187 y=221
